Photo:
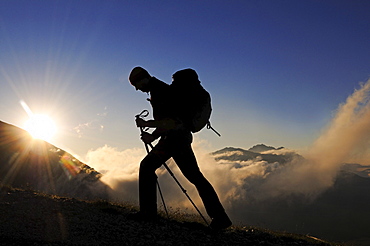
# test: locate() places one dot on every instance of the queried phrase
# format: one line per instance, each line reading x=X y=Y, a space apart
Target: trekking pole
x=143 y=114
x=182 y=188
x=213 y=129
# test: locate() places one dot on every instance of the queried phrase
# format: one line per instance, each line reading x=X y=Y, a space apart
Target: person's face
x=142 y=85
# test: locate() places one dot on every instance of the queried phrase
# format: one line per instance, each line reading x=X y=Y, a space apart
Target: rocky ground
x=31 y=218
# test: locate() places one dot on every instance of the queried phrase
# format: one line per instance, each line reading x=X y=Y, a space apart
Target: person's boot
x=220 y=222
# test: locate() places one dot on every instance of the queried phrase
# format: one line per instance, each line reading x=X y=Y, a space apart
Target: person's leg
x=148 y=179
x=186 y=161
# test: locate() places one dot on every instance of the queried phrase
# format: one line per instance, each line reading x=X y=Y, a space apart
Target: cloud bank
x=344 y=140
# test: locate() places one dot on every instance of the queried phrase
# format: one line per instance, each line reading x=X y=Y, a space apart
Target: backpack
x=201 y=109
x=194 y=101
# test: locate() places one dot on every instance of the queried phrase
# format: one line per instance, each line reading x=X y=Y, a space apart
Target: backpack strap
x=210 y=127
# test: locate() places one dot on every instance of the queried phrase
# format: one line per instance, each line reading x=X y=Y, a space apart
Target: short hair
x=137 y=74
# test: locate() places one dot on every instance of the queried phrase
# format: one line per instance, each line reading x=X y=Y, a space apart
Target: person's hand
x=147 y=137
x=140 y=122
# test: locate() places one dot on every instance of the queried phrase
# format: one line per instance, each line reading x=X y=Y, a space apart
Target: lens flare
x=70 y=168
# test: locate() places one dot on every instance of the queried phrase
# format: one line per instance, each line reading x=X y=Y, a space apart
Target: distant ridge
x=262 y=148
x=242 y=155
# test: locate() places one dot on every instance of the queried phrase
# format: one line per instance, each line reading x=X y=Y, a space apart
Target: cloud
x=119 y=168
x=256 y=180
x=95 y=124
x=345 y=139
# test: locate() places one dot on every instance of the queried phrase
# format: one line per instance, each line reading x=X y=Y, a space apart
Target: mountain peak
x=57 y=172
x=262 y=147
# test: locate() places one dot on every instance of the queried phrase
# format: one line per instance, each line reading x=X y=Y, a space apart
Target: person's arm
x=166 y=124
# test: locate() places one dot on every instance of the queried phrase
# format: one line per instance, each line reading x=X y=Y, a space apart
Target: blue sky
x=276 y=70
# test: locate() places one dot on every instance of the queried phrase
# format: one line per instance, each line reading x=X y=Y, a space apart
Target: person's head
x=139 y=78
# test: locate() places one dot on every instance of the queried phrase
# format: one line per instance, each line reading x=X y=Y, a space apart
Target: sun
x=40 y=126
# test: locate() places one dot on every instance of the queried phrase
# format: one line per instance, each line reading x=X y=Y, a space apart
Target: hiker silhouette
x=175 y=138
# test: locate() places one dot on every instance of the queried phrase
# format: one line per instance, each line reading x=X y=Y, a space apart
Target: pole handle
x=143 y=114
